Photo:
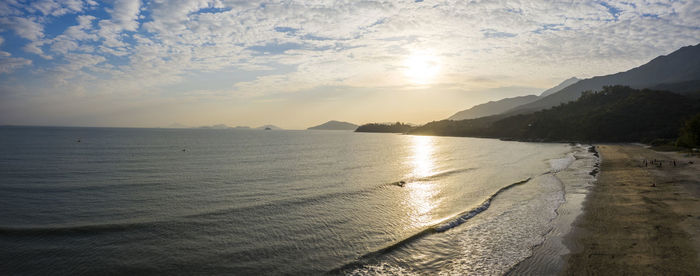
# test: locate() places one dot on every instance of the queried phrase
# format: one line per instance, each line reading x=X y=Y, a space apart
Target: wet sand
x=639 y=220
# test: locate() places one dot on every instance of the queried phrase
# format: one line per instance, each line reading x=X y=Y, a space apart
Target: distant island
x=397 y=127
x=269 y=127
x=334 y=125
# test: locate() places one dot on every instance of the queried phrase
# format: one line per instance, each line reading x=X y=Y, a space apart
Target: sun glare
x=421 y=68
x=421 y=193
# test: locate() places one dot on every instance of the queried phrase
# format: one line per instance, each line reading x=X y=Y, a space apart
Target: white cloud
x=9 y=7
x=34 y=47
x=23 y=27
x=9 y=64
x=125 y=14
x=290 y=46
x=56 y=8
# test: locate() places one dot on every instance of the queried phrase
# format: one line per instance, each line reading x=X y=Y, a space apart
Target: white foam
x=561 y=164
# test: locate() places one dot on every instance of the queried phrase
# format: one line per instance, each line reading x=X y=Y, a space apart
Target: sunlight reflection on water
x=421 y=194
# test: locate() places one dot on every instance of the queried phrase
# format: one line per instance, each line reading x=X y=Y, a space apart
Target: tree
x=690 y=133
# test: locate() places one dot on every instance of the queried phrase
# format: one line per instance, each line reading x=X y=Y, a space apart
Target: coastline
x=637 y=219
x=549 y=257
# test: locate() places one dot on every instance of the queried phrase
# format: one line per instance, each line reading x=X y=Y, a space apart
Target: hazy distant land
x=334 y=125
x=223 y=126
x=397 y=127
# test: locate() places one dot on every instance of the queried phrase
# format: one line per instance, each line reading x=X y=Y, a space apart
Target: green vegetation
x=397 y=127
x=690 y=133
x=615 y=114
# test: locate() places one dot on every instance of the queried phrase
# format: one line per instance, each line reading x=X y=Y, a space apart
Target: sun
x=421 y=67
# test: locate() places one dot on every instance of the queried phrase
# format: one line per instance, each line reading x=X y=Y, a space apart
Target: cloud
x=34 y=47
x=134 y=46
x=9 y=63
x=125 y=14
x=23 y=27
x=56 y=8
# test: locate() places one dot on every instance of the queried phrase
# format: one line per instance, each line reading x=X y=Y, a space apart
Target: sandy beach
x=640 y=218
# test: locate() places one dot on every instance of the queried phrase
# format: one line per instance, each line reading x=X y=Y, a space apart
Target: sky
x=295 y=64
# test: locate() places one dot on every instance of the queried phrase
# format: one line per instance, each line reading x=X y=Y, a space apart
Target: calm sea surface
x=196 y=201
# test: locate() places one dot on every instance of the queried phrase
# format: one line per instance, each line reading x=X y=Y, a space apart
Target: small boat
x=267 y=128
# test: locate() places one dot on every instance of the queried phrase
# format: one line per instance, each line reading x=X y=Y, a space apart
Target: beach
x=641 y=218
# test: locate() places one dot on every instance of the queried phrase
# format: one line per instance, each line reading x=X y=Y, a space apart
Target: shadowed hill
x=385 y=128
x=616 y=114
x=503 y=105
x=492 y=107
x=559 y=87
x=677 y=70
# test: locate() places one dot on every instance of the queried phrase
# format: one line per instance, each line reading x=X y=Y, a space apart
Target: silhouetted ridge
x=503 y=105
x=615 y=114
x=681 y=66
x=492 y=107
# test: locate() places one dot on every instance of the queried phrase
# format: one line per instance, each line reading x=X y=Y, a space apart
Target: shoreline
x=549 y=257
x=638 y=219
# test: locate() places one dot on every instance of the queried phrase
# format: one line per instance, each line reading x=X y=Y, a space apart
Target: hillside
x=492 y=107
x=559 y=87
x=675 y=70
x=503 y=105
x=385 y=128
x=616 y=114
x=334 y=125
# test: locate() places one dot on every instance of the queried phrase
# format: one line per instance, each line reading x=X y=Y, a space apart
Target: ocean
x=243 y=201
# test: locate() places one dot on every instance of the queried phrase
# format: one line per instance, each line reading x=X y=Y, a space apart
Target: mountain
x=689 y=88
x=334 y=125
x=270 y=127
x=615 y=114
x=500 y=106
x=492 y=107
x=559 y=87
x=679 y=69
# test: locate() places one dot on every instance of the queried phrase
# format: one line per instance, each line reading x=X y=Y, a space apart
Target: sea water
x=237 y=201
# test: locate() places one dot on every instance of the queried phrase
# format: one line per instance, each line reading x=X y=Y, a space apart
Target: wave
x=463 y=217
x=435 y=176
x=313 y=199
x=440 y=227
x=560 y=164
